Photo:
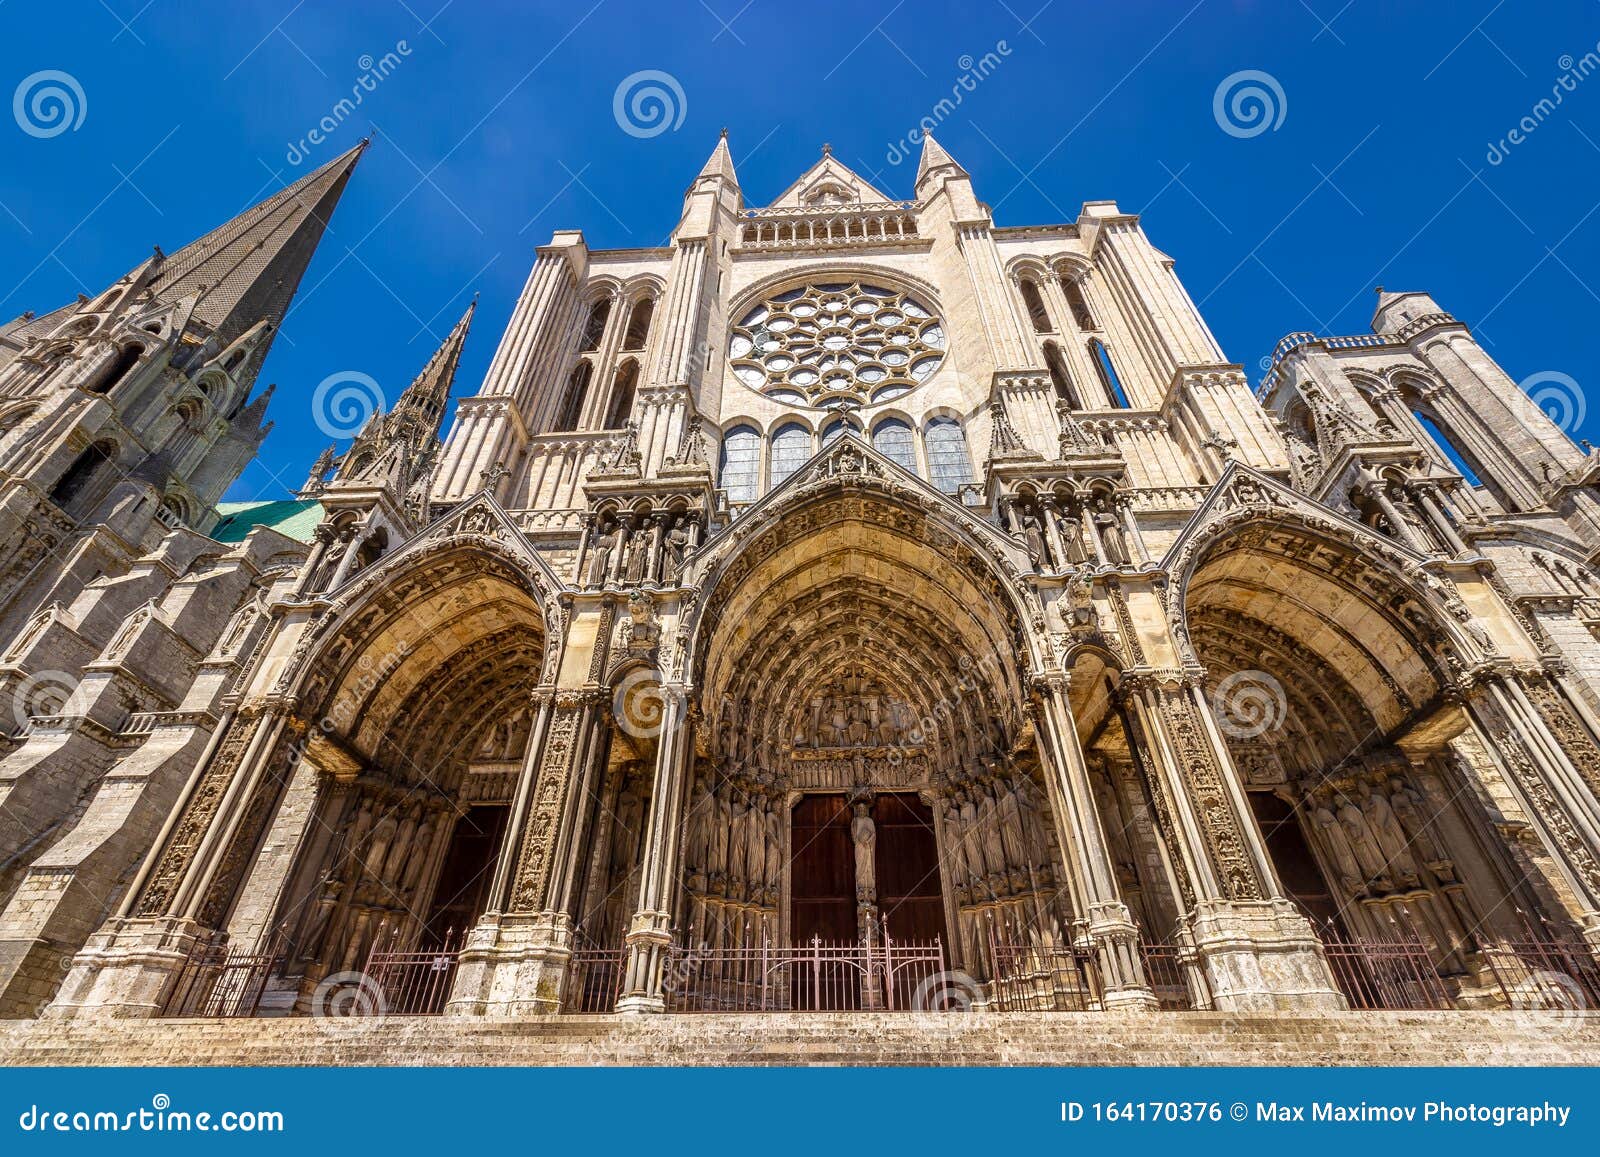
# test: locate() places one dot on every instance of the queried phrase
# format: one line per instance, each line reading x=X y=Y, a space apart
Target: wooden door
x=910 y=895
x=822 y=871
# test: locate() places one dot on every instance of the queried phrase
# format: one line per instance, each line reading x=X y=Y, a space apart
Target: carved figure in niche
x=865 y=835
x=994 y=854
x=607 y=537
x=644 y=630
x=774 y=873
x=702 y=812
x=1337 y=846
x=1070 y=527
x=1354 y=823
x=1391 y=840
x=1113 y=539
x=677 y=546
x=857 y=732
x=1469 y=623
x=1028 y=808
x=1081 y=617
x=721 y=833
x=1408 y=808
x=638 y=554
x=1033 y=536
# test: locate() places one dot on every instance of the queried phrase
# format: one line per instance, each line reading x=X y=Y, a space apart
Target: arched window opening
x=594 y=329
x=1108 y=372
x=1059 y=377
x=741 y=463
x=791 y=446
x=119 y=368
x=1036 y=310
x=892 y=438
x=622 y=387
x=1082 y=317
x=836 y=429
x=638 y=330
x=948 y=463
x=572 y=400
x=1450 y=450
x=76 y=481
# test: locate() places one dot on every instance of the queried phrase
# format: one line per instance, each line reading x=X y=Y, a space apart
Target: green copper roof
x=296 y=519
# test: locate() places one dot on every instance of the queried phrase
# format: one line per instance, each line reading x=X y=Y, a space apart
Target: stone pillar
x=1553 y=767
x=515 y=959
x=1112 y=932
x=1259 y=951
x=650 y=934
x=182 y=895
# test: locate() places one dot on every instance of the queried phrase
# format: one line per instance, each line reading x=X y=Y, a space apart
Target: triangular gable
x=1243 y=492
x=828 y=170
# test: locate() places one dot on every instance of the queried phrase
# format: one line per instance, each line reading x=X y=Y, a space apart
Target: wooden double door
x=822 y=869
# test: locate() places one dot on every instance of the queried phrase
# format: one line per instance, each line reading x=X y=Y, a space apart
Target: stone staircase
x=1185 y=1039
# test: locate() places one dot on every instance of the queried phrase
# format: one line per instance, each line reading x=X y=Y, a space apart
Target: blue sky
x=496 y=127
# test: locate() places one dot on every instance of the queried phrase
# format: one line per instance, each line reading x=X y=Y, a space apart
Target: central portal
x=864 y=864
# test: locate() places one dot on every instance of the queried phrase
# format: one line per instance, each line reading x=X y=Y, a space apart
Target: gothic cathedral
x=852 y=604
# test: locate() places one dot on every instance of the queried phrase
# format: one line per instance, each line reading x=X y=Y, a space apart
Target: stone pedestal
x=1115 y=938
x=1262 y=956
x=513 y=965
x=648 y=940
x=128 y=968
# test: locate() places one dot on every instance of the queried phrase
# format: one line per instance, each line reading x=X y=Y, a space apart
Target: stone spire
x=936 y=160
x=720 y=163
x=246 y=271
x=419 y=411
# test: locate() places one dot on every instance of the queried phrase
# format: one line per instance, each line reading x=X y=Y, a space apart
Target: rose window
x=839 y=344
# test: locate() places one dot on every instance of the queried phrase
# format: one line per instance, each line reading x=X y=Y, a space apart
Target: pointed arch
x=594 y=328
x=1034 y=302
x=638 y=331
x=1060 y=377
x=623 y=387
x=1103 y=364
x=572 y=398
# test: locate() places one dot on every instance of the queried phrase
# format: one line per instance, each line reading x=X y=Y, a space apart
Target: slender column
x=650 y=934
x=1259 y=951
x=1559 y=799
x=1111 y=928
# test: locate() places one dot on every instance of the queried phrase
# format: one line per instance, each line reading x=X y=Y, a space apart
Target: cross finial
x=724 y=132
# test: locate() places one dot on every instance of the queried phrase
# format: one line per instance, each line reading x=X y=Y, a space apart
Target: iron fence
x=221 y=981
x=1559 y=975
x=1386 y=974
x=1043 y=978
x=411 y=983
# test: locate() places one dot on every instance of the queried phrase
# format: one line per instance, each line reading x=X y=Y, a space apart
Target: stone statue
x=1033 y=537
x=604 y=549
x=1354 y=823
x=1336 y=845
x=865 y=835
x=1113 y=539
x=1386 y=830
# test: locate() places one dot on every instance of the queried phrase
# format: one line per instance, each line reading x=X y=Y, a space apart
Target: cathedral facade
x=851 y=604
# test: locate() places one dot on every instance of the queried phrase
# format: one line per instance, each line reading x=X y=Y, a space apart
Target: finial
x=724 y=132
x=1379 y=289
x=827 y=149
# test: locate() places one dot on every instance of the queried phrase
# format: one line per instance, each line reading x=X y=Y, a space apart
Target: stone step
x=1194 y=1038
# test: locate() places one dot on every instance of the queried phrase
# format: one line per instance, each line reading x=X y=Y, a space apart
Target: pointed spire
x=419 y=411
x=245 y=271
x=934 y=158
x=720 y=163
